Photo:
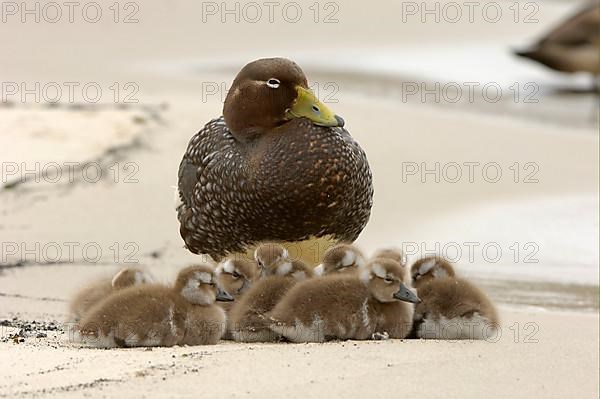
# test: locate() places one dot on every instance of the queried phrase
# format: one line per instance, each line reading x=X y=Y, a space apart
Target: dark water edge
x=548 y=295
x=545 y=103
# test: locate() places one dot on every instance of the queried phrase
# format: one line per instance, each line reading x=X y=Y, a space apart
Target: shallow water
x=539 y=240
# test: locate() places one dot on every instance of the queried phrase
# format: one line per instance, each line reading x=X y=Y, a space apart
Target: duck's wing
x=204 y=144
x=187 y=180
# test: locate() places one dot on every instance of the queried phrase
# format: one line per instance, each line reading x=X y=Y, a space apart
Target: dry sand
x=170 y=56
x=550 y=355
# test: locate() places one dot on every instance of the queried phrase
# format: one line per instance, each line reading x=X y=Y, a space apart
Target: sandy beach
x=528 y=236
x=532 y=357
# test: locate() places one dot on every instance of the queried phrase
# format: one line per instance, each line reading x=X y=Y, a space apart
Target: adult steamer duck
x=278 y=166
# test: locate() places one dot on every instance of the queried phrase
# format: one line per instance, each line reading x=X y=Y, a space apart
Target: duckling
x=157 y=315
x=391 y=253
x=300 y=270
x=279 y=157
x=274 y=259
x=573 y=45
x=451 y=307
x=372 y=304
x=394 y=254
x=271 y=256
x=247 y=316
x=429 y=267
x=101 y=289
x=236 y=276
x=341 y=258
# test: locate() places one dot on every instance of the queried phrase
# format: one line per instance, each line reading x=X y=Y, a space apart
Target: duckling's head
x=199 y=285
x=131 y=276
x=269 y=92
x=341 y=258
x=430 y=267
x=397 y=255
x=392 y=253
x=237 y=275
x=299 y=271
x=383 y=277
x=273 y=259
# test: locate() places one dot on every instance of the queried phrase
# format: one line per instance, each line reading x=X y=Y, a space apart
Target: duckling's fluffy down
x=337 y=307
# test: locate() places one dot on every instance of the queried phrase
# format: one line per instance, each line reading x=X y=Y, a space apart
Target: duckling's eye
x=315 y=108
x=235 y=275
x=388 y=280
x=273 y=83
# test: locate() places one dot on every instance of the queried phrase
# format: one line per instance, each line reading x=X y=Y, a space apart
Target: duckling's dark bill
x=223 y=296
x=406 y=295
x=307 y=105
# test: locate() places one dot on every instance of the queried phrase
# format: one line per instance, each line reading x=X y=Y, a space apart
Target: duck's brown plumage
x=573 y=46
x=270 y=179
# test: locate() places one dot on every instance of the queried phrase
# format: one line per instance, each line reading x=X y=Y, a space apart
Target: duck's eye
x=273 y=83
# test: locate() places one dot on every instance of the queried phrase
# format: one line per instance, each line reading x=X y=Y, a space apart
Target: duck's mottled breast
x=297 y=181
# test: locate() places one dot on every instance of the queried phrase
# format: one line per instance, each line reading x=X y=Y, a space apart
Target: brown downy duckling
x=451 y=307
x=397 y=255
x=341 y=258
x=247 y=321
x=391 y=253
x=274 y=259
x=369 y=305
x=94 y=293
x=157 y=315
x=429 y=267
x=278 y=165
x=236 y=276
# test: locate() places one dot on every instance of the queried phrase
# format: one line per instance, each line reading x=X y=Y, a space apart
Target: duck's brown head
x=269 y=92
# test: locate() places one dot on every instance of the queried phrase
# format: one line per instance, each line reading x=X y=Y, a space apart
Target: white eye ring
x=273 y=83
